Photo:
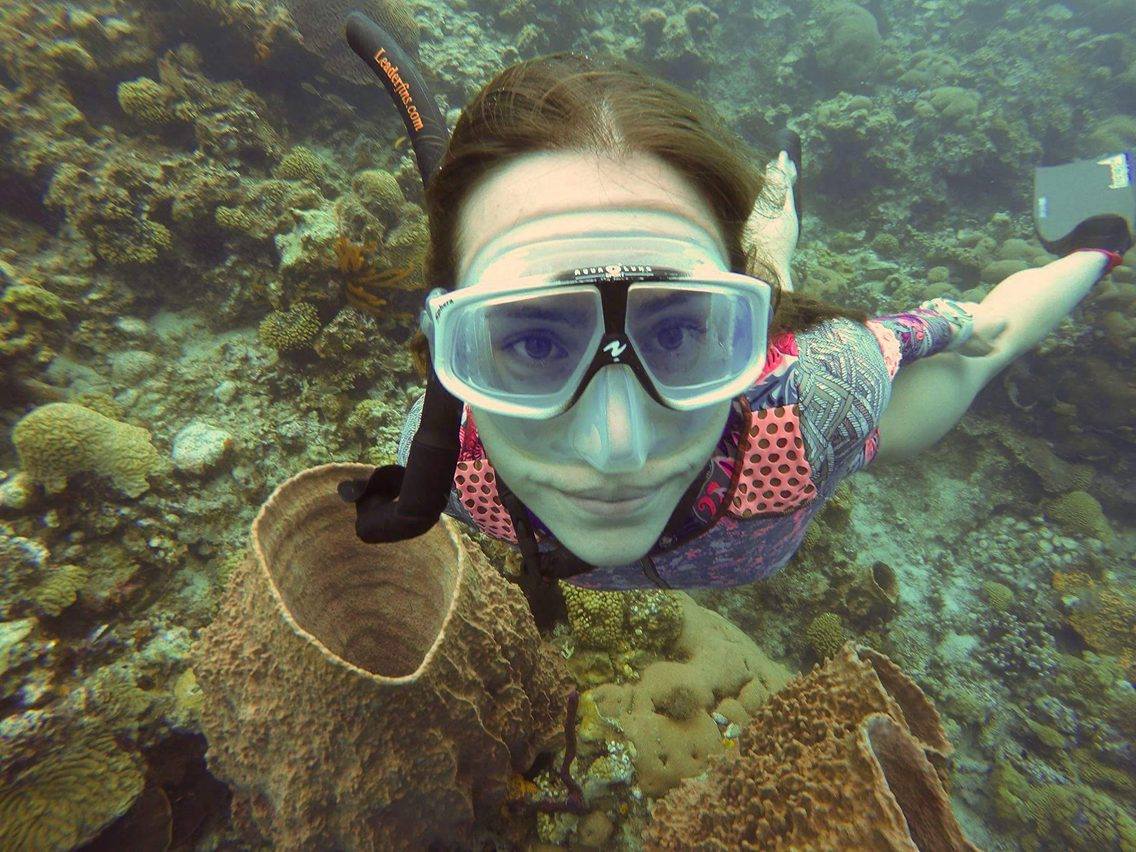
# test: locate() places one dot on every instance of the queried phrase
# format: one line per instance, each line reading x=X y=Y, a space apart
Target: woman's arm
x=929 y=396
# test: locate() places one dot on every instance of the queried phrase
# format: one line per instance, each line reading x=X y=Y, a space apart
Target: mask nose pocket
x=611 y=428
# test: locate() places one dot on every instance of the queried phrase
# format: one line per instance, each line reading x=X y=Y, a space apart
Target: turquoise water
x=211 y=265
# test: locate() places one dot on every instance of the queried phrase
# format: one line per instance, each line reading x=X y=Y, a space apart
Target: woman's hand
x=772 y=227
x=984 y=332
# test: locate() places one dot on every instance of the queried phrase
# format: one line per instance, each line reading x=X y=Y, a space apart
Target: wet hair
x=609 y=107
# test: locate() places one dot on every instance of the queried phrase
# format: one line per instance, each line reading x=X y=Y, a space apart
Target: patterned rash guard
x=809 y=421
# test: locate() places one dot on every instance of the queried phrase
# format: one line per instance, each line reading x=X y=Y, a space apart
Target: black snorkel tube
x=398 y=503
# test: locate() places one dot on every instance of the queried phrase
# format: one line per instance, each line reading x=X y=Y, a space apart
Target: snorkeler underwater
x=434 y=424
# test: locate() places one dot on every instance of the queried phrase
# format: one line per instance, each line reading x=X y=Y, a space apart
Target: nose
x=612 y=428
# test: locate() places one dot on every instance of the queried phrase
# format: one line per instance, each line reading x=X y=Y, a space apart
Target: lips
x=608 y=496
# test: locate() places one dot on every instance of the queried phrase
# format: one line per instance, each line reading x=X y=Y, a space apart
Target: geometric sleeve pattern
x=843 y=388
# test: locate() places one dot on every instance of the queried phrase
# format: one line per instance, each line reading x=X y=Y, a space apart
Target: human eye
x=533 y=348
x=674 y=333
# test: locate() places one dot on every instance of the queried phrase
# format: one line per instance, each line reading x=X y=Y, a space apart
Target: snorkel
x=398 y=503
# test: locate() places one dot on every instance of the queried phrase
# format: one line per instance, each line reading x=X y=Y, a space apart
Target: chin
x=611 y=548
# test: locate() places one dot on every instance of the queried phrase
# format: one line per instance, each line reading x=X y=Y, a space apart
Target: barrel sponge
x=60 y=439
x=850 y=755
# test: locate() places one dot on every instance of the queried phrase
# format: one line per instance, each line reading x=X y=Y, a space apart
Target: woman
x=647 y=401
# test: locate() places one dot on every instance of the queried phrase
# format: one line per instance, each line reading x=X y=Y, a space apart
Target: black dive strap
x=398 y=503
x=1086 y=204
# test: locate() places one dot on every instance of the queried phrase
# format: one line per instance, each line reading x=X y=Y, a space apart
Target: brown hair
x=612 y=107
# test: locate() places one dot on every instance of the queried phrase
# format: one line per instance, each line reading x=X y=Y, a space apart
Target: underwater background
x=211 y=238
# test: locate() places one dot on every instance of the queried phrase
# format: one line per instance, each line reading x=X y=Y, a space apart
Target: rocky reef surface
x=210 y=262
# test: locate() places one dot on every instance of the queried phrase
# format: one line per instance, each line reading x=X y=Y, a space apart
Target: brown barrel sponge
x=370 y=696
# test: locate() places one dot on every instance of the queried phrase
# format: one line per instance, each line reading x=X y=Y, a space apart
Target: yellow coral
x=146 y=100
x=301 y=164
x=60 y=590
x=75 y=786
x=1105 y=617
x=138 y=242
x=58 y=440
x=643 y=619
x=596 y=617
x=825 y=634
x=290 y=330
x=1079 y=513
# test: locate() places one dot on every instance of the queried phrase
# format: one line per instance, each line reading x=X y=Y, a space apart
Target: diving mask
x=528 y=346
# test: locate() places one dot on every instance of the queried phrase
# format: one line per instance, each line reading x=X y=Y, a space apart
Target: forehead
x=539 y=187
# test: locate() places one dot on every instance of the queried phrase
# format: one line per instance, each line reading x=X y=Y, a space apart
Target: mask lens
x=529 y=348
x=691 y=340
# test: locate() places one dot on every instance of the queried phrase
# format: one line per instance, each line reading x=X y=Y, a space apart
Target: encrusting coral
x=848 y=756
x=410 y=676
x=60 y=439
x=668 y=714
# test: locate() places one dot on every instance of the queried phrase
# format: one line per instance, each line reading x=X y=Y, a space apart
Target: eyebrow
x=549 y=314
x=654 y=305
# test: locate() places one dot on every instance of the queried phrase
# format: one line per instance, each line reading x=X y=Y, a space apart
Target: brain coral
x=825 y=634
x=1079 y=512
x=380 y=192
x=60 y=439
x=58 y=788
x=848 y=756
x=146 y=100
x=301 y=164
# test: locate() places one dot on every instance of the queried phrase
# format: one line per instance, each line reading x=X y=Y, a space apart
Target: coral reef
x=620 y=621
x=60 y=783
x=375 y=680
x=175 y=173
x=866 y=749
x=59 y=440
x=668 y=714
